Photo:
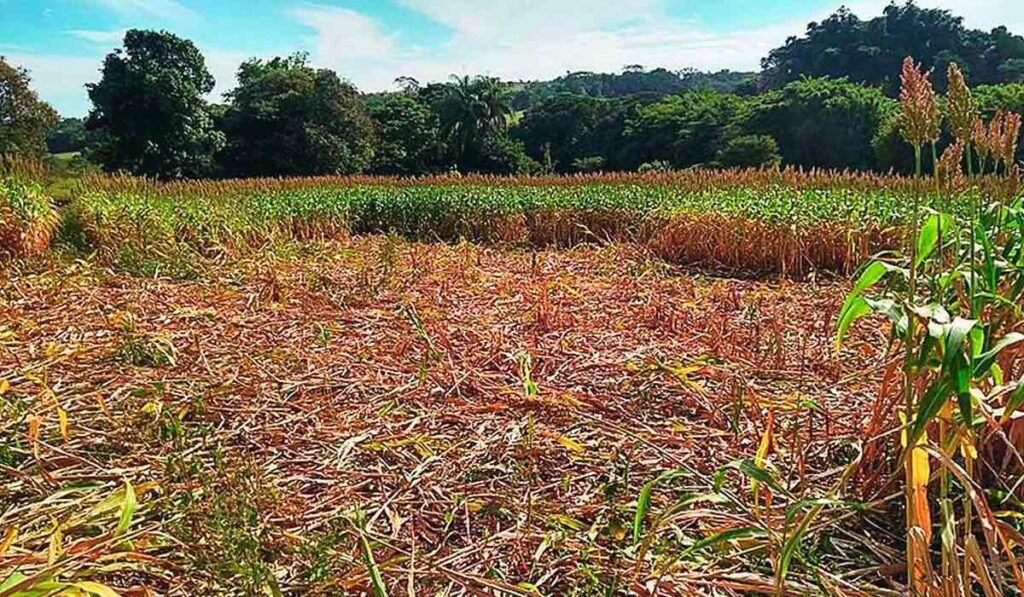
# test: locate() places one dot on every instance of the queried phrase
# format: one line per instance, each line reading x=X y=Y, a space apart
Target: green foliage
x=69 y=136
x=562 y=127
x=149 y=107
x=589 y=164
x=503 y=155
x=27 y=218
x=870 y=51
x=749 y=151
x=825 y=123
x=408 y=135
x=989 y=98
x=632 y=81
x=471 y=111
x=287 y=118
x=655 y=166
x=683 y=130
x=24 y=118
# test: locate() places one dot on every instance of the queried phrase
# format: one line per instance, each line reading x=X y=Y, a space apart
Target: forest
x=825 y=99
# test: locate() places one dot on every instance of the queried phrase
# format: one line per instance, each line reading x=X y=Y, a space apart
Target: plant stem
x=908 y=374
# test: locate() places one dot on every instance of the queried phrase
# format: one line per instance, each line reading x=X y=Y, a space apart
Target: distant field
x=777 y=222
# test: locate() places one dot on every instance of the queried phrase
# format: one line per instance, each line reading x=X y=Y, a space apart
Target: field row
x=778 y=222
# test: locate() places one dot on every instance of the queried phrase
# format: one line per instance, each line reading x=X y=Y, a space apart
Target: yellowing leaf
x=9 y=536
x=33 y=429
x=94 y=588
x=919 y=472
x=571 y=445
x=55 y=548
x=4 y=386
x=62 y=421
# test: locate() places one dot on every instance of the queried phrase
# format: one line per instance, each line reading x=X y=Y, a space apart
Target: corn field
x=482 y=385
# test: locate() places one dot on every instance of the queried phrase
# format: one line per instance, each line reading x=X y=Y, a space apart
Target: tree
x=822 y=123
x=501 y=154
x=470 y=111
x=749 y=151
x=287 y=118
x=408 y=135
x=560 y=128
x=69 y=135
x=871 y=51
x=24 y=118
x=683 y=130
x=150 y=110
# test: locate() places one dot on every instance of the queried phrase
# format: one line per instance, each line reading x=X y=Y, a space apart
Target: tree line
x=824 y=99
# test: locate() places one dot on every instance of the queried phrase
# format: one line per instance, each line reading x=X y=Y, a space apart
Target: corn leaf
x=127 y=509
x=643 y=501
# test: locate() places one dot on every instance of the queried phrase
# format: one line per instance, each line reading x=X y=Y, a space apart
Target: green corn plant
x=959 y=320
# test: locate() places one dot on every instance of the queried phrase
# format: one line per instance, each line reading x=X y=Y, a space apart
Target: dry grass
x=489 y=415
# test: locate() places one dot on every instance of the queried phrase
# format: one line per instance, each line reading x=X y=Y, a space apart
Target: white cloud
x=99 y=37
x=537 y=39
x=511 y=20
x=530 y=39
x=223 y=65
x=165 y=10
x=342 y=31
x=60 y=79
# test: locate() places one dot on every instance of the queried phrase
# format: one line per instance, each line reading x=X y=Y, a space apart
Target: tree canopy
x=408 y=135
x=823 y=99
x=149 y=106
x=871 y=51
x=24 y=118
x=822 y=123
x=286 y=117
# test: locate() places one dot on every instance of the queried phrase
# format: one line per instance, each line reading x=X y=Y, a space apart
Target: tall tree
x=68 y=135
x=24 y=118
x=684 y=130
x=149 y=107
x=470 y=111
x=408 y=134
x=287 y=118
x=557 y=130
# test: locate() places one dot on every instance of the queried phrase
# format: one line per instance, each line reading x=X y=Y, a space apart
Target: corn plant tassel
x=960 y=108
x=1008 y=141
x=995 y=138
x=920 y=120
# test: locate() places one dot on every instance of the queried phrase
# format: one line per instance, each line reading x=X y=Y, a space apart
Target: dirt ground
x=475 y=420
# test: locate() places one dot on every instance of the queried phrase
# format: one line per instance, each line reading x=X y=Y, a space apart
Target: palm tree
x=471 y=110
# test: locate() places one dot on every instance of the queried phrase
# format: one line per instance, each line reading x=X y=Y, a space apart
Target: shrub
x=655 y=166
x=749 y=151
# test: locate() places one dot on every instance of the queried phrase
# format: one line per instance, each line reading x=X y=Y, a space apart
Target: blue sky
x=371 y=42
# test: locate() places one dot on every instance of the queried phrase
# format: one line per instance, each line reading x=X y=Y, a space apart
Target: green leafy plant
x=953 y=300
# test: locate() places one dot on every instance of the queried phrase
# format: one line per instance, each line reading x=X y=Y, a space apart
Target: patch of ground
x=475 y=419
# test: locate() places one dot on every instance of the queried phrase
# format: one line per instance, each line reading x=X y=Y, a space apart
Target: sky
x=372 y=42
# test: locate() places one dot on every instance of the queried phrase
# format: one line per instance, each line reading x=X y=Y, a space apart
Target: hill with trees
x=823 y=100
